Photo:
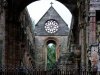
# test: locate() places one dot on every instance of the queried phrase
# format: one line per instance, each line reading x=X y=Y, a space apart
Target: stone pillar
x=87 y=47
x=82 y=46
x=12 y=41
x=92 y=27
x=3 y=4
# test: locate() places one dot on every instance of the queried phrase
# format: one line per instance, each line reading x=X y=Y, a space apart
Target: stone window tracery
x=51 y=26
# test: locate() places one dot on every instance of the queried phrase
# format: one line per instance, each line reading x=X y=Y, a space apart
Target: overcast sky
x=39 y=8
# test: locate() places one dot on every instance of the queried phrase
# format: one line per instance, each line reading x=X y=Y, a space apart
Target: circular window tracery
x=51 y=26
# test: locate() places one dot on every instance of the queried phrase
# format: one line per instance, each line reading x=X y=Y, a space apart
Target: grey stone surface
x=41 y=38
x=51 y=14
x=41 y=49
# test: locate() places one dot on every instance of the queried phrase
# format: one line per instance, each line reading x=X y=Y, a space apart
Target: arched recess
x=51 y=53
x=14 y=9
x=19 y=5
x=42 y=6
x=71 y=6
x=54 y=41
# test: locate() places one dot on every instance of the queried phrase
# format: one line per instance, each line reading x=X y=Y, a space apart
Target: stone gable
x=51 y=14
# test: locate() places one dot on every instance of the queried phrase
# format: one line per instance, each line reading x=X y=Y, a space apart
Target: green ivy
x=51 y=56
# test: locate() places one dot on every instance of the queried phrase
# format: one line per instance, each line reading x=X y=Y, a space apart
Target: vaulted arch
x=13 y=11
x=21 y=4
x=15 y=7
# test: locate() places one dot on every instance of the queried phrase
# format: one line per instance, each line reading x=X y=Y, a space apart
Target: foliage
x=51 y=56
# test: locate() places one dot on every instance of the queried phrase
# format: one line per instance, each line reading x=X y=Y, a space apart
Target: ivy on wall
x=51 y=55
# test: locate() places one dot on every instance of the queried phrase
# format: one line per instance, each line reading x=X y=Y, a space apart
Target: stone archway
x=23 y=3
x=12 y=25
x=55 y=41
x=51 y=53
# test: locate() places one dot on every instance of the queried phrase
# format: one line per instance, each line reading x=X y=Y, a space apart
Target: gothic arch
x=15 y=7
x=13 y=10
x=56 y=41
x=21 y=4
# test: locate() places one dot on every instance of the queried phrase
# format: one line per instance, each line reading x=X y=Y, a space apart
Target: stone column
x=3 y=4
x=12 y=40
x=87 y=47
x=82 y=43
x=2 y=36
x=92 y=27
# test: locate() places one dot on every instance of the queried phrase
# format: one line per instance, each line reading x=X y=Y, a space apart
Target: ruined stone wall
x=18 y=39
x=26 y=25
x=87 y=29
x=41 y=49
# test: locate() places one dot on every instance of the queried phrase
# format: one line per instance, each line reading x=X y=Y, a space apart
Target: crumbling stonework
x=42 y=37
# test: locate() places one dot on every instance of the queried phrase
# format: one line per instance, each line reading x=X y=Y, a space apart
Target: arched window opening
x=29 y=19
x=51 y=54
x=38 y=8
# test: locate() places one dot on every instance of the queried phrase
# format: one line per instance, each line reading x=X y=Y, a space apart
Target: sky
x=39 y=8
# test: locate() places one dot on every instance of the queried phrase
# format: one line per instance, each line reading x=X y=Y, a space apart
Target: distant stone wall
x=41 y=49
x=63 y=29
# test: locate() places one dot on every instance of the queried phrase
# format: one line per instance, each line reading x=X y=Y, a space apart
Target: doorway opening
x=51 y=54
